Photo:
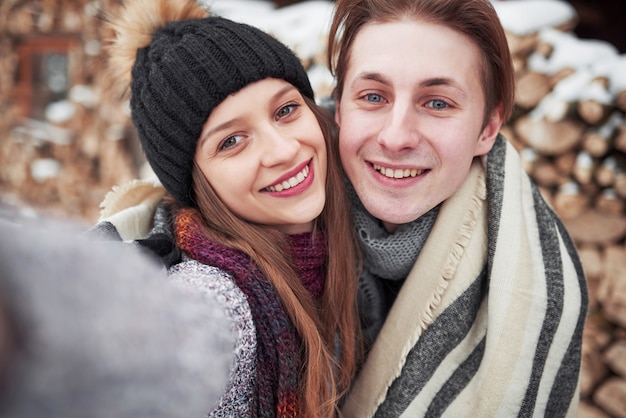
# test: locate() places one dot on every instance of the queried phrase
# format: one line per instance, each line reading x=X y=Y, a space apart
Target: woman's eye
x=231 y=141
x=437 y=104
x=285 y=110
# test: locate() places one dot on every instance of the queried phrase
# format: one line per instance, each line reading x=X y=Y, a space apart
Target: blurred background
x=66 y=138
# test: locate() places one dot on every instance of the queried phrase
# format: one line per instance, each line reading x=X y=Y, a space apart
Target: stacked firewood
x=570 y=130
x=61 y=164
x=64 y=163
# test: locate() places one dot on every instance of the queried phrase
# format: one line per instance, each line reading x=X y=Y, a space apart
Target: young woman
x=227 y=120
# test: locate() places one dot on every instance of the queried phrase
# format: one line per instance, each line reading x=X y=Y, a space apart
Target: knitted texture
x=279 y=347
x=389 y=256
x=489 y=321
x=388 y=259
x=188 y=69
x=235 y=397
x=309 y=256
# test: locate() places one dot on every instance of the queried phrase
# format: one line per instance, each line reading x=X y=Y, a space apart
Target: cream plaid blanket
x=489 y=321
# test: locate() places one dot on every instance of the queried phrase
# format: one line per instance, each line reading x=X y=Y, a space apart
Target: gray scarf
x=390 y=256
x=386 y=256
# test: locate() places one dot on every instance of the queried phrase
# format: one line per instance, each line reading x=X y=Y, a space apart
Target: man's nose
x=400 y=128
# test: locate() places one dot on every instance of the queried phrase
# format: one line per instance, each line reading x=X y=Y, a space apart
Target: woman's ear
x=337 y=116
x=489 y=133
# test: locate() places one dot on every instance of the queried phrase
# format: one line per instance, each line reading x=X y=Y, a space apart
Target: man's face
x=411 y=117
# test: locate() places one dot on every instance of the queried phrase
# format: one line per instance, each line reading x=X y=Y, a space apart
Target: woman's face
x=263 y=152
x=411 y=117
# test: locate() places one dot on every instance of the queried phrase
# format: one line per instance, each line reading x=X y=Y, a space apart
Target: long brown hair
x=475 y=19
x=334 y=323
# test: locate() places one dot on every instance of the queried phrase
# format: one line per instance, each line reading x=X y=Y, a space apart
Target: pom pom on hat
x=189 y=67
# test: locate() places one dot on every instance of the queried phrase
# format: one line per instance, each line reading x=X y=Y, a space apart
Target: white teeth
x=291 y=182
x=397 y=173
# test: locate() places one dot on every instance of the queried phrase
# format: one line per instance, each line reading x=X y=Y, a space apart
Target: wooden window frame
x=26 y=50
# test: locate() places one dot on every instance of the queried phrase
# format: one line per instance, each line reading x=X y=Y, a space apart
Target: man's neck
x=389 y=227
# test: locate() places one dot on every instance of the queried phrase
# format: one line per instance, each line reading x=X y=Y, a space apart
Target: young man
x=473 y=298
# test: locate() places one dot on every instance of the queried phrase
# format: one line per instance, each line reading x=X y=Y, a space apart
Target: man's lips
x=398 y=173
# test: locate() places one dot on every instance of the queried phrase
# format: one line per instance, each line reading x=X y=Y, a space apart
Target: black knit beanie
x=188 y=69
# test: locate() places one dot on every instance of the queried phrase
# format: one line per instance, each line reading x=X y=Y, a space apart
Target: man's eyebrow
x=438 y=81
x=443 y=81
x=372 y=76
x=430 y=82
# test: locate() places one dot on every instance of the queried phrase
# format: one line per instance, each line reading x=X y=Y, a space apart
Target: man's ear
x=489 y=133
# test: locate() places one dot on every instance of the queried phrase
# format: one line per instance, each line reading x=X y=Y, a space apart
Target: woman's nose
x=278 y=147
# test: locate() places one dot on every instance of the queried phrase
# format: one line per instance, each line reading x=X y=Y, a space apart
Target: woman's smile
x=289 y=181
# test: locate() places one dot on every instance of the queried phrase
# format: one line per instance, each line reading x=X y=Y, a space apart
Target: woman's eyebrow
x=229 y=123
x=220 y=127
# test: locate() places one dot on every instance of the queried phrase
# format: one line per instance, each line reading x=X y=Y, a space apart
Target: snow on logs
x=569 y=126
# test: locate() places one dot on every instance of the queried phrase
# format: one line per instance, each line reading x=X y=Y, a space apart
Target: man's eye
x=231 y=141
x=373 y=98
x=437 y=104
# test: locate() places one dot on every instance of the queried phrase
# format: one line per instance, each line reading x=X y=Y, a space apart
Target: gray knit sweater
x=235 y=399
x=97 y=330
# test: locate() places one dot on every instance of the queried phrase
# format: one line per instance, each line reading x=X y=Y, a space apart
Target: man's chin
x=392 y=216
x=391 y=208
